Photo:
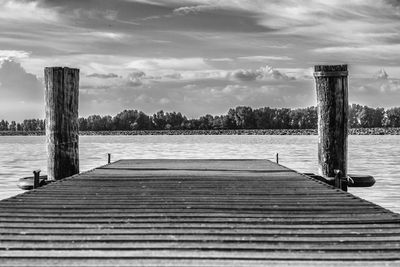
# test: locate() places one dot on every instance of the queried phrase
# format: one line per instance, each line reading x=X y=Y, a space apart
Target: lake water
x=375 y=155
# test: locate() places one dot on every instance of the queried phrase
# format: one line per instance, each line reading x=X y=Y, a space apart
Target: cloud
x=26 y=11
x=102 y=76
x=95 y=83
x=168 y=63
x=94 y=13
x=213 y=74
x=384 y=83
x=377 y=90
x=21 y=93
x=181 y=11
x=265 y=58
x=174 y=76
x=17 y=84
x=391 y=86
x=164 y=101
x=382 y=75
x=263 y=73
x=192 y=9
x=189 y=86
x=267 y=73
x=361 y=49
x=115 y=36
x=247 y=75
x=222 y=59
x=13 y=54
x=136 y=78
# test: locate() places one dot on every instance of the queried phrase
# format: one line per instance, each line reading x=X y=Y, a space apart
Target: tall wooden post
x=332 y=98
x=61 y=96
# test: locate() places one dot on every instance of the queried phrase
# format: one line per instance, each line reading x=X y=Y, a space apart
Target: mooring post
x=277 y=158
x=36 y=178
x=332 y=98
x=109 y=158
x=61 y=96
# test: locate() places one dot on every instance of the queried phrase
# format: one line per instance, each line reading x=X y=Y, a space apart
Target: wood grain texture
x=195 y=213
x=332 y=102
x=61 y=97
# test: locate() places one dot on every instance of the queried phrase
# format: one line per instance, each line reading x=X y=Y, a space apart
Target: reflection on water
x=374 y=155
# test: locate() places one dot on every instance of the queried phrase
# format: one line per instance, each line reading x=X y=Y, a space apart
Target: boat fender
x=26 y=183
x=354 y=180
x=360 y=180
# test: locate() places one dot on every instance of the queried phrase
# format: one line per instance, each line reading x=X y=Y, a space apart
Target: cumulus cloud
x=247 y=75
x=17 y=84
x=377 y=90
x=22 y=93
x=95 y=83
x=102 y=76
x=390 y=86
x=382 y=75
x=384 y=83
x=266 y=73
x=263 y=73
x=136 y=78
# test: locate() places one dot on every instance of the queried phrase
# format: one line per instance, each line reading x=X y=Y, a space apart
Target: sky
x=197 y=57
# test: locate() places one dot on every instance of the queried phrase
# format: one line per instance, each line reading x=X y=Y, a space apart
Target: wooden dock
x=195 y=213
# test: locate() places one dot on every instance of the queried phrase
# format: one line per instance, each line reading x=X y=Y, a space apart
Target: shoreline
x=354 y=131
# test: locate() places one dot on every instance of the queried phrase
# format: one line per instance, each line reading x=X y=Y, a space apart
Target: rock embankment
x=355 y=131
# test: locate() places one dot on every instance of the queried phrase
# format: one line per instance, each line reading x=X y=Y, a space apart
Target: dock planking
x=195 y=213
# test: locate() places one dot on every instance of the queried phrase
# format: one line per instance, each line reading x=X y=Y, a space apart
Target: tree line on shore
x=241 y=117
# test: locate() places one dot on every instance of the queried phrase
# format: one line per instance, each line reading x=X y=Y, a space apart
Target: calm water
x=375 y=155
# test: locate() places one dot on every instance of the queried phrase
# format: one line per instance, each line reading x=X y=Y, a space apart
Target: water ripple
x=374 y=155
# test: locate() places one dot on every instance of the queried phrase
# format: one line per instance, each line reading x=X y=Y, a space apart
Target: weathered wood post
x=332 y=99
x=61 y=96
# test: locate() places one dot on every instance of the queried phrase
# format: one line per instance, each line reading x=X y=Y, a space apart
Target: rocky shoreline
x=354 y=131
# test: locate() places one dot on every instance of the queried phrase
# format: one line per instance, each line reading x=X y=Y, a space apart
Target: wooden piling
x=332 y=98
x=61 y=96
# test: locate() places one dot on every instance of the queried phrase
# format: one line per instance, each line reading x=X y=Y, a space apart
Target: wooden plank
x=165 y=212
x=201 y=230
x=200 y=254
x=374 y=240
x=188 y=262
x=281 y=246
x=207 y=225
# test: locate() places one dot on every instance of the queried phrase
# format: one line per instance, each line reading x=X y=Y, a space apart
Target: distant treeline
x=238 y=118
